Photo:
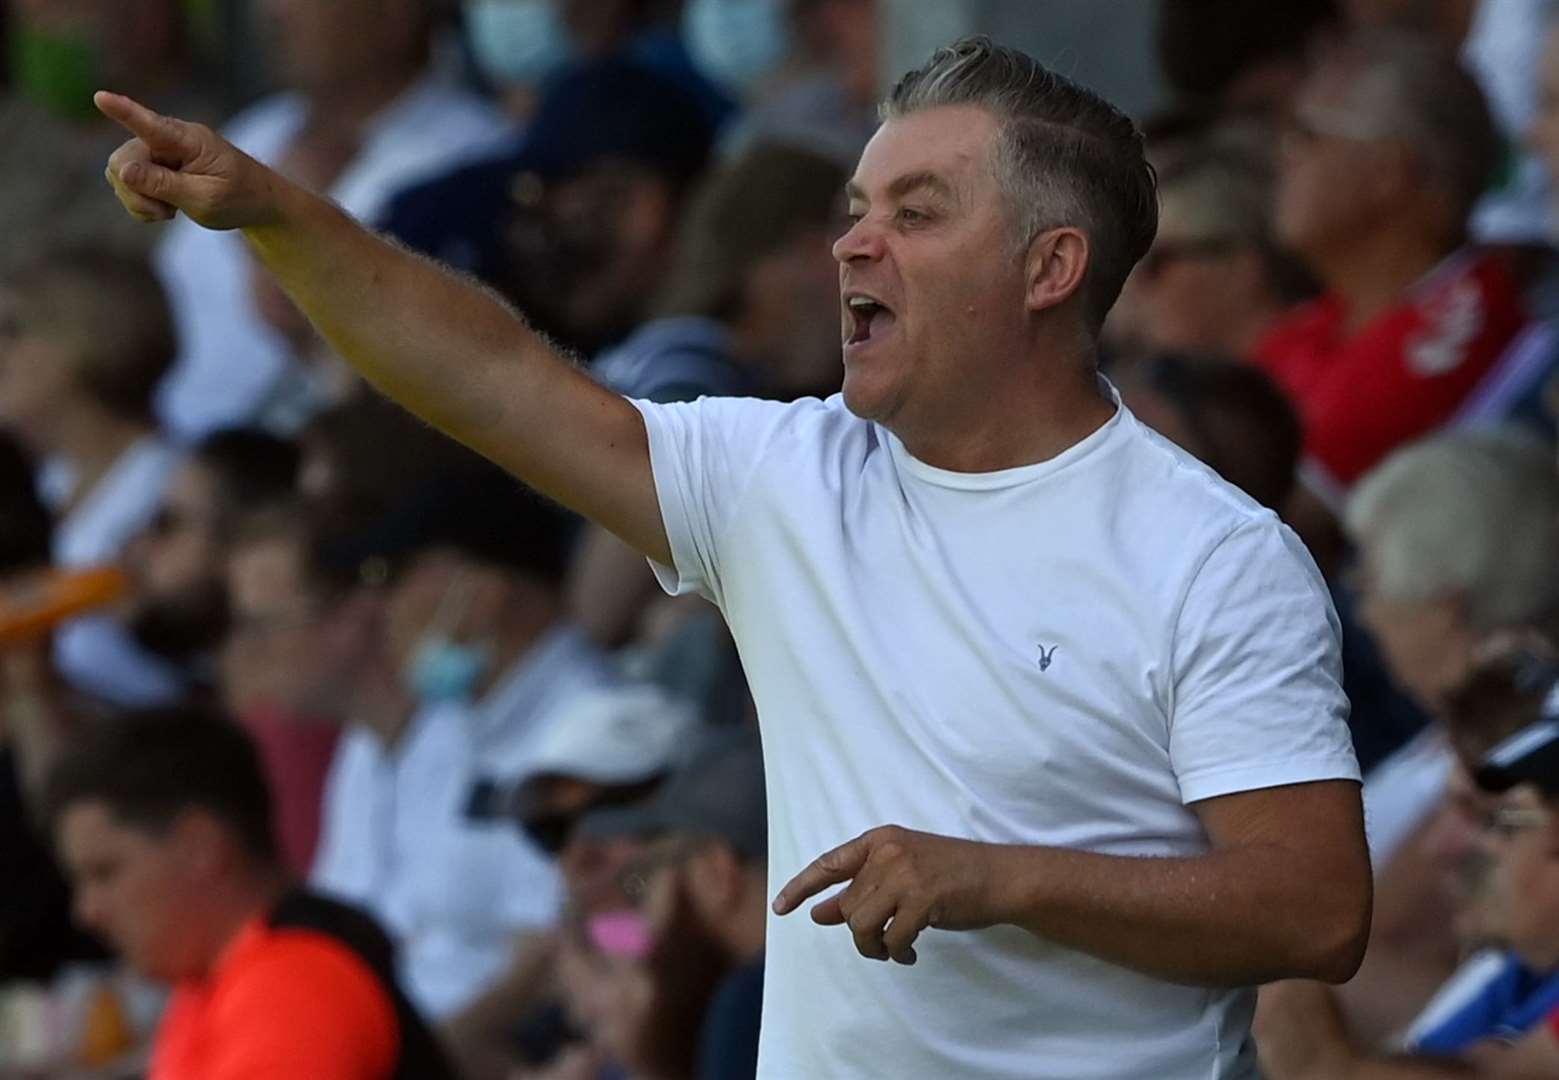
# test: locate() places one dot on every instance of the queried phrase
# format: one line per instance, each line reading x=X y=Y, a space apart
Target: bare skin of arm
x=444 y=347
x=1283 y=892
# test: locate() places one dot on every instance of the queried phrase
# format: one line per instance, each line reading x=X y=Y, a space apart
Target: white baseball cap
x=614 y=735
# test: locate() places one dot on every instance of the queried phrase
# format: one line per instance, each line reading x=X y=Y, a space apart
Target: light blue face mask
x=517 y=42
x=737 y=43
x=447 y=672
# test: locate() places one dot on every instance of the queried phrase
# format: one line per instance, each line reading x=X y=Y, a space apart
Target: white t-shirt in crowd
x=1067 y=653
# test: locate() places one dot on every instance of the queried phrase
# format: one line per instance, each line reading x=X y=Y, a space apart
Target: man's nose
x=863 y=241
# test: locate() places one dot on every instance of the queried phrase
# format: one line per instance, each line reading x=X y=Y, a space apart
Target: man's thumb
x=153 y=181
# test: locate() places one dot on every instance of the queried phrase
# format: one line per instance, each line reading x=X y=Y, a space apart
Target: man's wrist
x=1016 y=882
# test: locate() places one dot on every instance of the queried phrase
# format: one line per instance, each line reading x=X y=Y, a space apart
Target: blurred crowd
x=228 y=566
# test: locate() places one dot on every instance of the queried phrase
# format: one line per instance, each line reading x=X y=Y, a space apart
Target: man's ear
x=1056 y=265
x=717 y=873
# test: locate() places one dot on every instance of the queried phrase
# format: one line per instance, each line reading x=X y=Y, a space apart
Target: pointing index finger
x=161 y=133
x=830 y=868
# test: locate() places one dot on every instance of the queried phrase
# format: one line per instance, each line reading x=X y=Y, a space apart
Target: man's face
x=135 y=889
x=1427 y=643
x=1190 y=289
x=181 y=550
x=932 y=245
x=1524 y=843
x=277 y=651
x=1327 y=191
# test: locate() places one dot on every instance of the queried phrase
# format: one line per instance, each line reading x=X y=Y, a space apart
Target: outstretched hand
x=172 y=165
x=901 y=882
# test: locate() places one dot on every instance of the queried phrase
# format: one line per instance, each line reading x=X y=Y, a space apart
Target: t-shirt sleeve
x=1258 y=699
x=310 y=1007
x=704 y=455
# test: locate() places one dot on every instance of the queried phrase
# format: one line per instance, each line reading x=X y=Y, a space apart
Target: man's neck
x=351 y=107
x=1053 y=406
x=232 y=909
x=1370 y=275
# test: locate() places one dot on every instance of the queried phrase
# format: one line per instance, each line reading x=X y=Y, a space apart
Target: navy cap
x=615 y=109
x=1530 y=756
x=718 y=791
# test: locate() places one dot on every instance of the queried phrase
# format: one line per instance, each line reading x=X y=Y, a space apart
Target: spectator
x=1456 y=536
x=1499 y=42
x=1504 y=1022
x=288 y=666
x=607 y=747
x=1214 y=280
x=163 y=820
x=1389 y=146
x=178 y=607
x=576 y=223
x=474 y=626
x=749 y=311
x=85 y=337
x=705 y=877
x=362 y=102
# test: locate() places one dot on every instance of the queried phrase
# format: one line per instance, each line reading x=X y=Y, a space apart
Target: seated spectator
x=473 y=625
x=1499 y=42
x=1509 y=1026
x=1214 y=279
x=575 y=224
x=363 y=106
x=85 y=337
x=702 y=887
x=178 y=596
x=607 y=747
x=749 y=311
x=1456 y=537
x=1389 y=146
x=163 y=820
x=288 y=666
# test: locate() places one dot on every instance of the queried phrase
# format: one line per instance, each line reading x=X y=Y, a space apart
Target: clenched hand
x=901 y=882
x=172 y=165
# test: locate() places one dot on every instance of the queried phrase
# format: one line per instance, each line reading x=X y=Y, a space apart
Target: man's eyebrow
x=904 y=185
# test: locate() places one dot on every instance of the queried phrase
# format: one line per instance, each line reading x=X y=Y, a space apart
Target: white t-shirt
x=452 y=891
x=1061 y=654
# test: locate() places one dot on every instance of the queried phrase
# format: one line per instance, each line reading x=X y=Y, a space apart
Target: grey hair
x=1064 y=155
x=1469 y=513
x=1416 y=90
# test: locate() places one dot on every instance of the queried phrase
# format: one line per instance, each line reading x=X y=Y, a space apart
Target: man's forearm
x=455 y=354
x=1236 y=918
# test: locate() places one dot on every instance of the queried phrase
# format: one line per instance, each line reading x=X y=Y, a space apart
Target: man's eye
x=911 y=216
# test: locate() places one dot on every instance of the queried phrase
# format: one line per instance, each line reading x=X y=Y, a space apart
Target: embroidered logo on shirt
x=1045 y=656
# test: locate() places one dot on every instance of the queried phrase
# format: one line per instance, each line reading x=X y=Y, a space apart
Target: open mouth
x=869 y=318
